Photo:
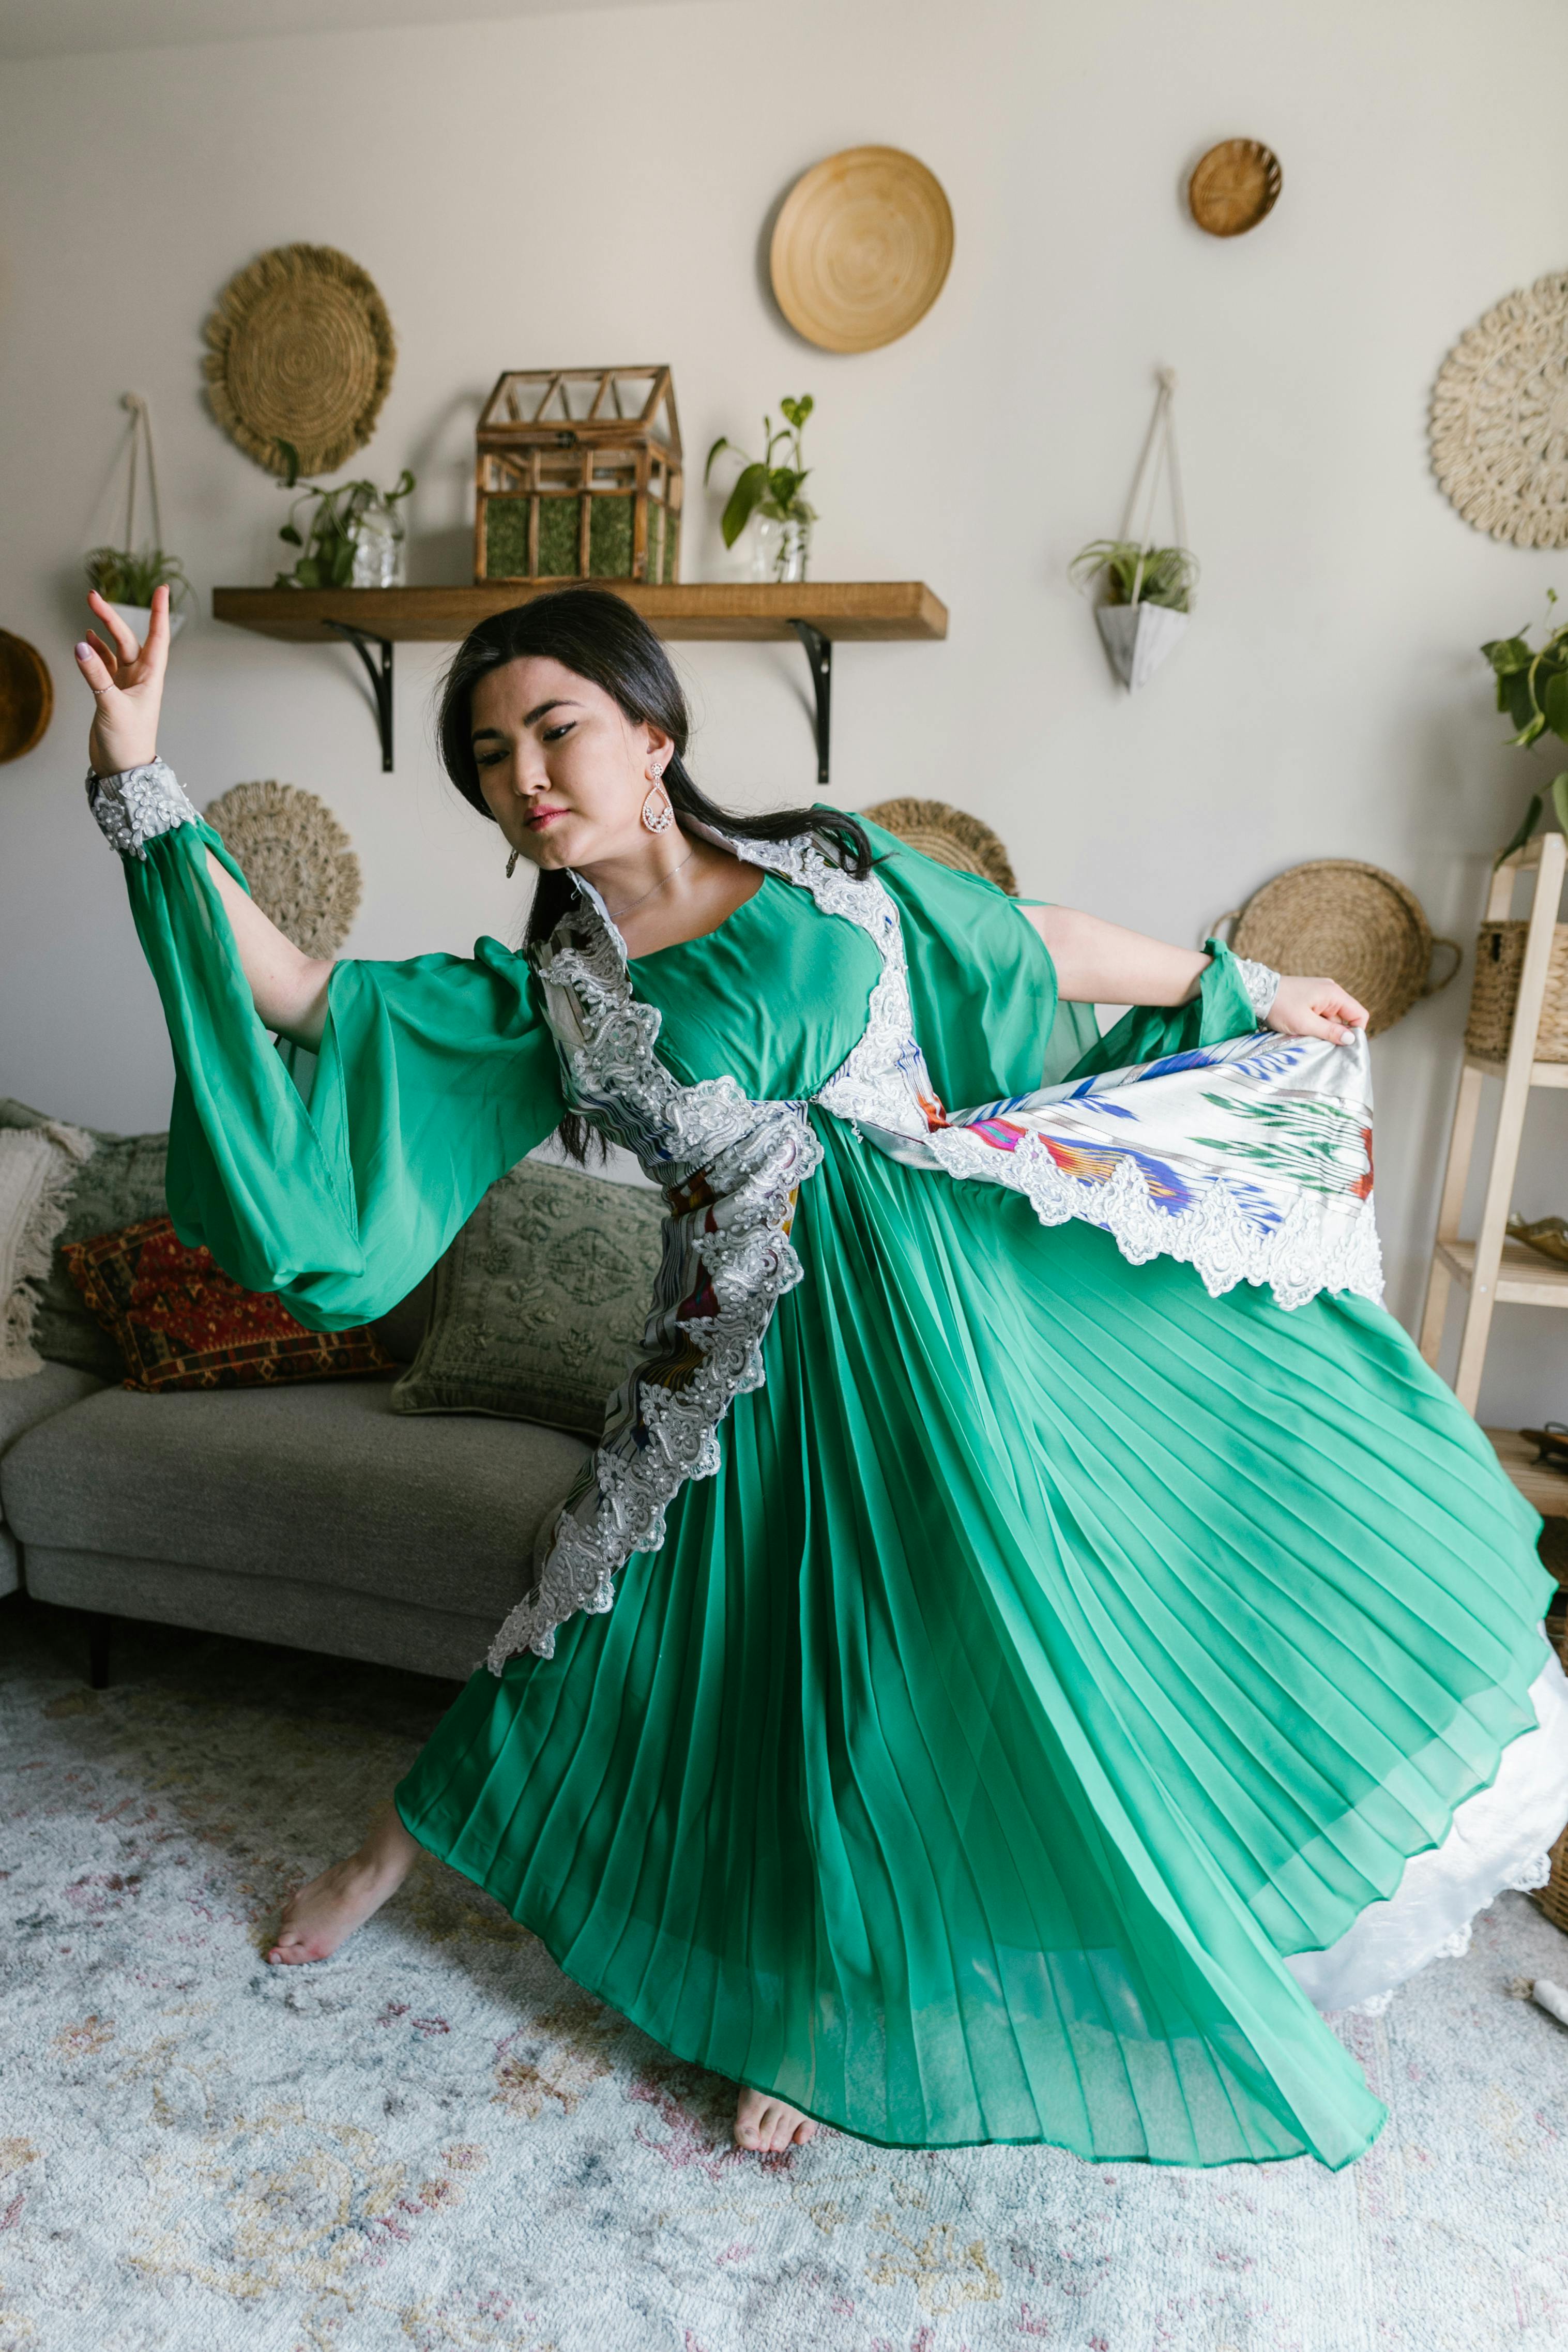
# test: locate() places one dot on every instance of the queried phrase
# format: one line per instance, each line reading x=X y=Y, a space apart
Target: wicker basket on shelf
x=1494 y=992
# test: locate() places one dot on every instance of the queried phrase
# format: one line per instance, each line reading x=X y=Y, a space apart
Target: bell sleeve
x=983 y=987
x=432 y=1078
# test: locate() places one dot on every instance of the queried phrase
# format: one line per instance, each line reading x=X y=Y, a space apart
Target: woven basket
x=1350 y=922
x=1494 y=992
x=952 y=837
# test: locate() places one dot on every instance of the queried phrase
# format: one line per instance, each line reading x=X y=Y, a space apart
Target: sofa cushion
x=181 y=1322
x=123 y=1181
x=540 y=1301
x=22 y=1403
x=319 y=1482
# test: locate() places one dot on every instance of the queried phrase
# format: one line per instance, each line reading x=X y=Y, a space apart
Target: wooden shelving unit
x=1491 y=1270
x=819 y=614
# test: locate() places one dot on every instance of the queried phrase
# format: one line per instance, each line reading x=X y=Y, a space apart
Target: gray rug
x=435 y=2141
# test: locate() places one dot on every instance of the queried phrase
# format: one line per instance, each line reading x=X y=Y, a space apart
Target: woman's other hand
x=1314 y=1008
x=127 y=684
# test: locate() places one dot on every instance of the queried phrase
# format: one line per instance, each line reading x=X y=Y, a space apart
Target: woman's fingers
x=124 y=637
x=103 y=653
x=90 y=661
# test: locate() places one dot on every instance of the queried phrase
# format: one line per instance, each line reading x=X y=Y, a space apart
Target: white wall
x=592 y=188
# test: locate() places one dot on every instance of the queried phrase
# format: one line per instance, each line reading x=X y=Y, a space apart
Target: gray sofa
x=311 y=1515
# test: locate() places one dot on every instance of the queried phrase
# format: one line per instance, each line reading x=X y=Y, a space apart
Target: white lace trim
x=1214 y=1237
x=1260 y=981
x=752 y=1158
x=134 y=806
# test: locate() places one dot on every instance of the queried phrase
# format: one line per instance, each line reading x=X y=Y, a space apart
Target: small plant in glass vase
x=1532 y=687
x=771 y=494
x=354 y=536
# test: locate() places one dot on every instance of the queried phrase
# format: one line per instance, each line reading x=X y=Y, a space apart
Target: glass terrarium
x=578 y=477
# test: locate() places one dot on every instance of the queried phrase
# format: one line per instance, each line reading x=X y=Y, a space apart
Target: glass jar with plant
x=353 y=535
x=1532 y=689
x=773 y=494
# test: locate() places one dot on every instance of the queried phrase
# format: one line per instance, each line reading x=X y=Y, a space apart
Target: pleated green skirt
x=1055 y=1650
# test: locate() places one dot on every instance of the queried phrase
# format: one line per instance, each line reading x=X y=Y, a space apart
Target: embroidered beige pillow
x=541 y=1302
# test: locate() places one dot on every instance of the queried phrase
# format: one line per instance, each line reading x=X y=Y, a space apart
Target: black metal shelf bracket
x=820 y=659
x=381 y=681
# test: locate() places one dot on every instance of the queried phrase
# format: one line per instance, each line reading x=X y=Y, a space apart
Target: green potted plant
x=773 y=494
x=1144 y=597
x=1532 y=689
x=353 y=535
x=127 y=581
x=124 y=577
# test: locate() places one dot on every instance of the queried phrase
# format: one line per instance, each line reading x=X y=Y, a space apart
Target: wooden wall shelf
x=820 y=614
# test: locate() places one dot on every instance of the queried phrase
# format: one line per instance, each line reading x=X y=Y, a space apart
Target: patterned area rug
x=436 y=2141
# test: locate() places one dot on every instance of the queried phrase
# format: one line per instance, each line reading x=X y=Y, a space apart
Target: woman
x=1062 y=1630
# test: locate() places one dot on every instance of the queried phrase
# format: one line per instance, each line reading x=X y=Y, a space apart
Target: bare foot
x=764 y=2122
x=323 y=1914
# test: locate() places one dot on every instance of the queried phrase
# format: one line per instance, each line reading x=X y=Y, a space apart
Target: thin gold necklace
x=615 y=913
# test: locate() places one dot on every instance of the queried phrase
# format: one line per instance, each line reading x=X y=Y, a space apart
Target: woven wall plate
x=27 y=696
x=297 y=858
x=861 y=248
x=1500 y=410
x=1234 y=186
x=952 y=837
x=1349 y=923
x=300 y=349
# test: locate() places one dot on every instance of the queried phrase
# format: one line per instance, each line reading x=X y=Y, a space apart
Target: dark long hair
x=601 y=638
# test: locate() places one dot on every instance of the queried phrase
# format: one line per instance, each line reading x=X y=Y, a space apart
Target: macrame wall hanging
x=1144 y=590
x=301 y=352
x=297 y=858
x=1499 y=418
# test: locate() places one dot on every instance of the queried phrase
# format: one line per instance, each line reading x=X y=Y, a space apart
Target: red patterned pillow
x=183 y=1323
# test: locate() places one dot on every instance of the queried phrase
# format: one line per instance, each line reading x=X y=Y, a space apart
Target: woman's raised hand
x=1314 y=1008
x=127 y=682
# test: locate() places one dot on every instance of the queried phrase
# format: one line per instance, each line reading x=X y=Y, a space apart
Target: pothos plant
x=1532 y=687
x=327 y=543
x=761 y=487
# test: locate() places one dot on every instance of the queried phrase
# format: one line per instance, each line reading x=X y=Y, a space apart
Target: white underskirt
x=1498 y=1838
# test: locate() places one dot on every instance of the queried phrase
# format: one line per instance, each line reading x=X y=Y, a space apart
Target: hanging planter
x=125 y=577
x=1145 y=592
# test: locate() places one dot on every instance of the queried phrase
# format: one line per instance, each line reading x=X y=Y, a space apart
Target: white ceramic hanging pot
x=138 y=618
x=1138 y=637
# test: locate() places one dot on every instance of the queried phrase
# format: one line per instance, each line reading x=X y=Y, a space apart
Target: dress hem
x=873 y=2139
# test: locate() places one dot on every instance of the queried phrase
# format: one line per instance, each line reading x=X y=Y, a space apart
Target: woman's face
x=564 y=770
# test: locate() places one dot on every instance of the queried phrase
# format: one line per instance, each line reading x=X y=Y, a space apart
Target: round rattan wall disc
x=861 y=248
x=950 y=835
x=1349 y=923
x=301 y=349
x=297 y=858
x=1234 y=186
x=27 y=696
x=1499 y=418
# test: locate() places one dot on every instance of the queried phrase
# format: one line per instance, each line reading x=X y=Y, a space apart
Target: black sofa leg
x=97 y=1650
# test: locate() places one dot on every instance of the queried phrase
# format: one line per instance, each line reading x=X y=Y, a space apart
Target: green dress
x=1055 y=1651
